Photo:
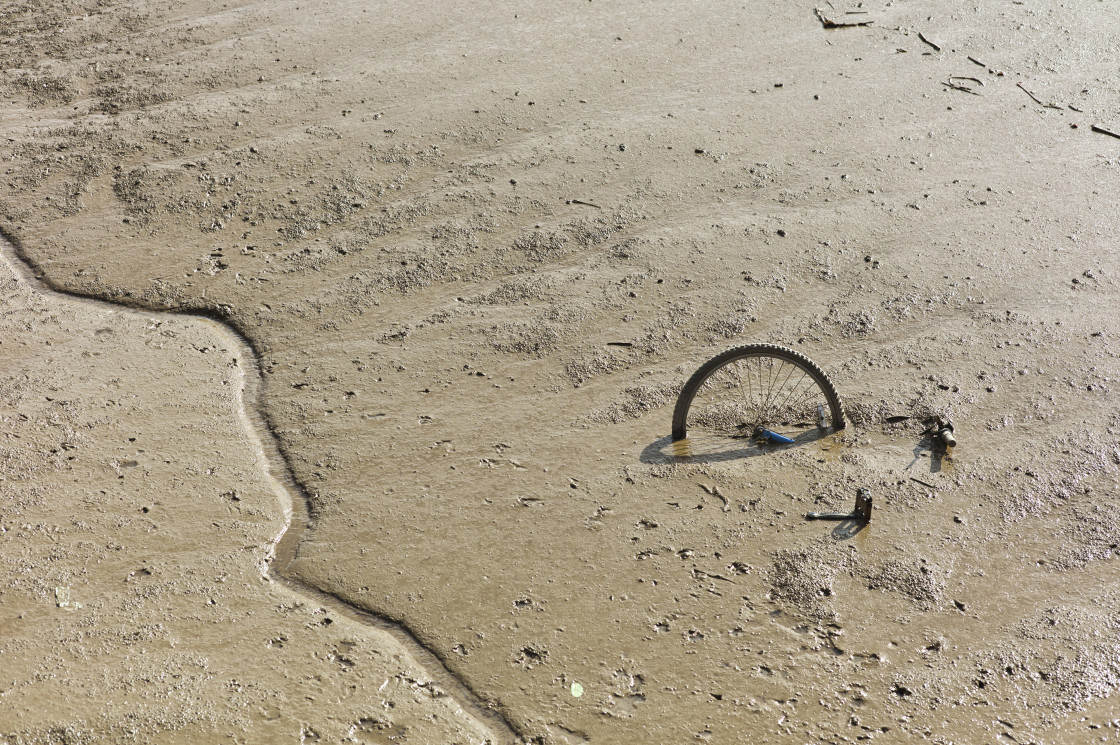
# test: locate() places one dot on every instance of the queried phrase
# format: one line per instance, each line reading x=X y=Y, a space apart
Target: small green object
x=577 y=690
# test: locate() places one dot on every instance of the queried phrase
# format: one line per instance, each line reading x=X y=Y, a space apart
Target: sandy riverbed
x=476 y=251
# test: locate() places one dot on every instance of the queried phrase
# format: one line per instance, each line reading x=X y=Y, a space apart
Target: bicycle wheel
x=756 y=388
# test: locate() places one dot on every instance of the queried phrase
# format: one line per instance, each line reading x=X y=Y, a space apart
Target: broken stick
x=1035 y=98
x=585 y=204
x=960 y=88
x=828 y=22
x=927 y=41
x=1104 y=131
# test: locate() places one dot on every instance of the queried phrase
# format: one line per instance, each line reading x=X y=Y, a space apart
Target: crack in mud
x=293 y=497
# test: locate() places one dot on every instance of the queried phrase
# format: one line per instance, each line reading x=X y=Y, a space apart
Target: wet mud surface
x=144 y=532
x=477 y=251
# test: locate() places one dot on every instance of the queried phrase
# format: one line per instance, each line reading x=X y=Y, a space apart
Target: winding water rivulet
x=285 y=545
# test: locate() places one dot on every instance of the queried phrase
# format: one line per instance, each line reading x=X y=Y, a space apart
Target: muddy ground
x=477 y=250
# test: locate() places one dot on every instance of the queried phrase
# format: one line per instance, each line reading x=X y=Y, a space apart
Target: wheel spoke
x=809 y=395
x=764 y=411
x=773 y=393
x=792 y=368
x=756 y=397
x=793 y=390
x=739 y=381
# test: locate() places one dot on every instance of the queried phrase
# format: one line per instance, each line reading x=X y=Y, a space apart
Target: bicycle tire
x=735 y=363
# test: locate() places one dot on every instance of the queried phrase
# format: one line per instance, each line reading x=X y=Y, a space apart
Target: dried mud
x=476 y=251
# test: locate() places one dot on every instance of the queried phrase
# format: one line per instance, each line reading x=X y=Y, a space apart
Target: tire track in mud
x=292 y=496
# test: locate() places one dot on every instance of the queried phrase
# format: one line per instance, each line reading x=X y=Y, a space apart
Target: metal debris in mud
x=942 y=430
x=862 y=512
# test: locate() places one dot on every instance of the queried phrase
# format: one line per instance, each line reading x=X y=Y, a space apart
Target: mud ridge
x=293 y=497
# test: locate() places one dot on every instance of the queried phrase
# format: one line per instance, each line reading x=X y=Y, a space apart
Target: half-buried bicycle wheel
x=759 y=389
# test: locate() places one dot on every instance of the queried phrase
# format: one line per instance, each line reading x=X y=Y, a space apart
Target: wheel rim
x=759 y=392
